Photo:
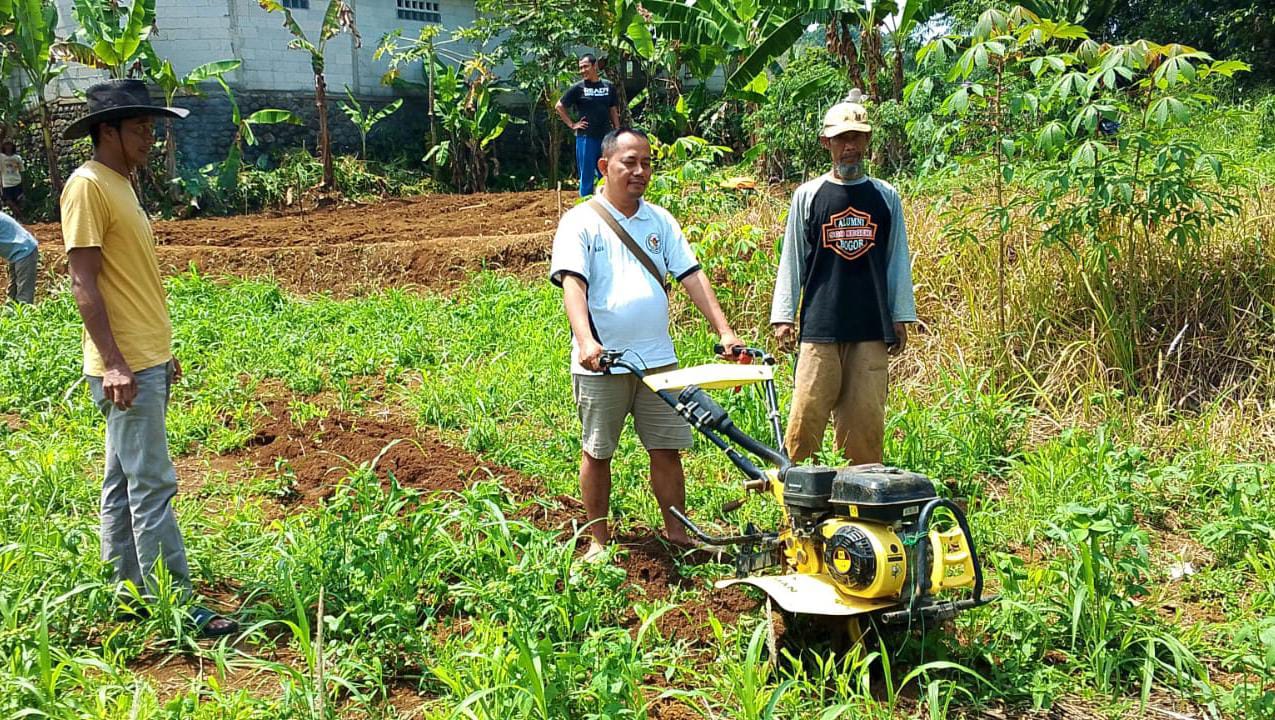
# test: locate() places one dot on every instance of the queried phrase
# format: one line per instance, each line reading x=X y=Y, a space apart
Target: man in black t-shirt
x=595 y=103
x=845 y=264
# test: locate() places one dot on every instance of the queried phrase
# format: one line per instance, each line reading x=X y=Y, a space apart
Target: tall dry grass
x=1205 y=350
x=1204 y=355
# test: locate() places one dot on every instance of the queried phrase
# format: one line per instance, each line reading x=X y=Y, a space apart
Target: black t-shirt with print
x=847 y=246
x=593 y=101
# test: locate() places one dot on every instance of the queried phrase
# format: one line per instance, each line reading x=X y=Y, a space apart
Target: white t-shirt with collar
x=628 y=310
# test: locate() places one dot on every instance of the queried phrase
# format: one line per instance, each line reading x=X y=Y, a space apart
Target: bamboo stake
x=318 y=660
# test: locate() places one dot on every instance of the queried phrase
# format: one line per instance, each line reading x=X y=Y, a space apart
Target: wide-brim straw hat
x=117 y=100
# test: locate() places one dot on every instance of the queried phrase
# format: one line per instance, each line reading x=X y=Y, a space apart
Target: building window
x=296 y=4
x=419 y=10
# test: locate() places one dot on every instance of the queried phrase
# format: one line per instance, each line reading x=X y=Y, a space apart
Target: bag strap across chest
x=629 y=242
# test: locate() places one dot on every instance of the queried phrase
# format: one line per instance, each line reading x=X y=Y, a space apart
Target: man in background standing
x=596 y=104
x=11 y=167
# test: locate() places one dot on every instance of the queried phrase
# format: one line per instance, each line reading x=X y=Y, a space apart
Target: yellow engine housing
x=811 y=555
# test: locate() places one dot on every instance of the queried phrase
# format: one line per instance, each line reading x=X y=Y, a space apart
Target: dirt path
x=430 y=241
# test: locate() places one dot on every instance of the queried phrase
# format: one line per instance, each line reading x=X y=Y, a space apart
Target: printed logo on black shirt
x=850 y=233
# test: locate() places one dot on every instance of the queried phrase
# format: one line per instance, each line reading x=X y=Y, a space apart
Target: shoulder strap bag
x=629 y=242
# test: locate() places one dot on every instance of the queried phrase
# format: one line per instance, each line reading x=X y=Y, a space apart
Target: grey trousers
x=22 y=278
x=138 y=524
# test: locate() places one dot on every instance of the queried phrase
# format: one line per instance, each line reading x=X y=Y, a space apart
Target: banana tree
x=870 y=16
x=228 y=176
x=161 y=72
x=464 y=102
x=11 y=99
x=111 y=37
x=34 y=29
x=626 y=34
x=364 y=118
x=743 y=36
x=338 y=18
x=902 y=22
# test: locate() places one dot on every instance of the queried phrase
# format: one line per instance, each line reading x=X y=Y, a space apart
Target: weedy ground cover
x=1127 y=530
x=454 y=600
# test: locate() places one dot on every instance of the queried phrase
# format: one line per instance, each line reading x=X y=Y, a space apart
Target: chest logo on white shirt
x=850 y=233
x=653 y=243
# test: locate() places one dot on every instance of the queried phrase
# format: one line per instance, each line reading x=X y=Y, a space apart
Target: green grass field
x=457 y=605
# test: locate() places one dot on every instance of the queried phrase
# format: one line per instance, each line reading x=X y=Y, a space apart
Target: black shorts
x=12 y=194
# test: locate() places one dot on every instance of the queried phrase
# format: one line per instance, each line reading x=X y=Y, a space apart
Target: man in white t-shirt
x=614 y=302
x=11 y=167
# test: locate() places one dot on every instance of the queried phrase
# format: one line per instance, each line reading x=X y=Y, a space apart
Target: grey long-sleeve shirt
x=838 y=237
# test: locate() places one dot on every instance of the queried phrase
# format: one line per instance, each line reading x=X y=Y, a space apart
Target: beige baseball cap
x=847 y=115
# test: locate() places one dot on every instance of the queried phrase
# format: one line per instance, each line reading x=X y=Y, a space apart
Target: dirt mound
x=321 y=452
x=654 y=572
x=431 y=241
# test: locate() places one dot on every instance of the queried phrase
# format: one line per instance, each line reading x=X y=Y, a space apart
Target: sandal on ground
x=210 y=624
x=596 y=553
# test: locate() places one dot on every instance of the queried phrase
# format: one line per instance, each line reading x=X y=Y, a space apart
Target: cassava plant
x=1098 y=124
x=464 y=116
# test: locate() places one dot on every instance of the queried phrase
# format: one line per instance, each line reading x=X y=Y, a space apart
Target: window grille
x=419 y=10
x=296 y=4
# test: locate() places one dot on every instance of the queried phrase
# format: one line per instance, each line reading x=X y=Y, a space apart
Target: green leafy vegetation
x=1090 y=225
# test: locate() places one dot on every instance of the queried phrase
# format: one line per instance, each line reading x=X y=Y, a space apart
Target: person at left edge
x=127 y=341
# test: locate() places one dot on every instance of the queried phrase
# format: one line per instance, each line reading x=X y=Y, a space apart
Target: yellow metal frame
x=714 y=376
x=952 y=563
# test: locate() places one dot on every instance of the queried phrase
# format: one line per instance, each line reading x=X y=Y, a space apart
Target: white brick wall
x=194 y=32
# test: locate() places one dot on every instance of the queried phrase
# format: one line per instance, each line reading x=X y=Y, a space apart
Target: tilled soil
x=315 y=456
x=430 y=241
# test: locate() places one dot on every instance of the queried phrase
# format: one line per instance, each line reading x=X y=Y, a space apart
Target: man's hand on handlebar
x=591 y=355
x=730 y=347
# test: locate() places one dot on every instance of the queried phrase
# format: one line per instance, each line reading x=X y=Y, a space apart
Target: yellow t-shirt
x=99 y=209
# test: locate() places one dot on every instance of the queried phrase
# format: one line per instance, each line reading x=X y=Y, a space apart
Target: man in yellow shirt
x=128 y=358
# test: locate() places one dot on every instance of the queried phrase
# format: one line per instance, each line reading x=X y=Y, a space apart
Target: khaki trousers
x=847 y=381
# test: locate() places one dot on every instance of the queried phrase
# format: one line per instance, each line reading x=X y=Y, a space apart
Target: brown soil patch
x=321 y=452
x=172 y=675
x=654 y=572
x=430 y=241
x=669 y=709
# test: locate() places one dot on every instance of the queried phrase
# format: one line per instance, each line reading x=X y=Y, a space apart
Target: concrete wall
x=193 y=32
x=205 y=136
